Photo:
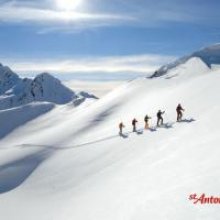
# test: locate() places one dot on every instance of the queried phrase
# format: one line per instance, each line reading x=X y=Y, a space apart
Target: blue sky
x=103 y=37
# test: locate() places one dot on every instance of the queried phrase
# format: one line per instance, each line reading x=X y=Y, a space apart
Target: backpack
x=146 y=118
x=134 y=122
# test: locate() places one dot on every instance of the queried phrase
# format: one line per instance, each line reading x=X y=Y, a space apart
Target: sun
x=68 y=5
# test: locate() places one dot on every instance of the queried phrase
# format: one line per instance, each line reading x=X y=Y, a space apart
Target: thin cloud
x=118 y=64
x=25 y=14
x=98 y=88
x=49 y=17
x=99 y=13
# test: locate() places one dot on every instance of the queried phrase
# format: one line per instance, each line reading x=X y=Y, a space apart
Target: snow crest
x=209 y=56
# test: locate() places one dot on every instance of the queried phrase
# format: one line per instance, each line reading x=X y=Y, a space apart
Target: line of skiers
x=179 y=111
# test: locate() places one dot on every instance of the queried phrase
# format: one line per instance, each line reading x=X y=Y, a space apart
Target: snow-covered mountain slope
x=8 y=79
x=18 y=116
x=15 y=91
x=209 y=56
x=43 y=87
x=71 y=164
x=22 y=100
x=189 y=69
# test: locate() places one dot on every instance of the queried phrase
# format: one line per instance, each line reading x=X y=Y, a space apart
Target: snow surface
x=15 y=117
x=70 y=163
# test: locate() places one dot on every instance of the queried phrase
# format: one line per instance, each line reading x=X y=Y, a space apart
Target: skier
x=121 y=126
x=134 y=122
x=146 y=119
x=179 y=111
x=160 y=118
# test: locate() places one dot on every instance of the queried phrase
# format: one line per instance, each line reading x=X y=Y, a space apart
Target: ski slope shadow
x=140 y=132
x=152 y=129
x=10 y=121
x=59 y=147
x=124 y=135
x=167 y=125
x=189 y=120
x=93 y=123
x=14 y=173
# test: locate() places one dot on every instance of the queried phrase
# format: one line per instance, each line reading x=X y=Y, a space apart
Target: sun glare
x=68 y=5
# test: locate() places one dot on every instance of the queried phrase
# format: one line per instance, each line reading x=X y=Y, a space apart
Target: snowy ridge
x=43 y=87
x=193 y=67
x=209 y=55
x=8 y=79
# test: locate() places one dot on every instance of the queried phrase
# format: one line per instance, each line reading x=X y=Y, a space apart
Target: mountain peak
x=209 y=55
x=44 y=87
x=45 y=75
x=8 y=79
x=48 y=88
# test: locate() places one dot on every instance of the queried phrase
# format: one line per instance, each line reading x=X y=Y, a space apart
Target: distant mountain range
x=16 y=91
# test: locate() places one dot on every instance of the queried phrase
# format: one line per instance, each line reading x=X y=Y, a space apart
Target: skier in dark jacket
x=121 y=126
x=134 y=122
x=160 y=118
x=146 y=119
x=179 y=111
